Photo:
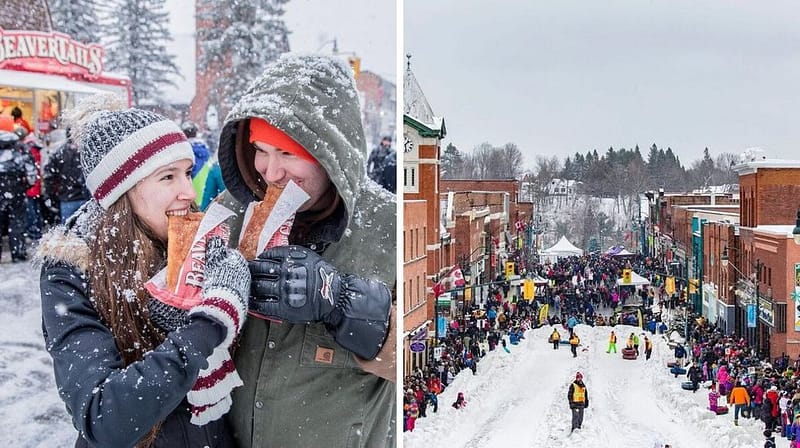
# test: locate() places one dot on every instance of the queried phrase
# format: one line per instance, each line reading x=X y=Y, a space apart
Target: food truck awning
x=14 y=78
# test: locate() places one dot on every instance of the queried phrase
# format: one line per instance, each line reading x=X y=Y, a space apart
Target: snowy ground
x=520 y=399
x=31 y=414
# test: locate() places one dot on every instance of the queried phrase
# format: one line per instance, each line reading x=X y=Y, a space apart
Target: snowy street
x=520 y=399
x=31 y=413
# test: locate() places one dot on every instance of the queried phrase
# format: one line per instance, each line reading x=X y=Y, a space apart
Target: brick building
x=740 y=250
x=422 y=134
x=769 y=204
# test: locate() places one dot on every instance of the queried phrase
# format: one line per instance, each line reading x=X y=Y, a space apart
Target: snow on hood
x=311 y=98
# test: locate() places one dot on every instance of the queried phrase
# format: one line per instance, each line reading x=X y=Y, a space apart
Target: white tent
x=563 y=248
x=623 y=253
x=636 y=280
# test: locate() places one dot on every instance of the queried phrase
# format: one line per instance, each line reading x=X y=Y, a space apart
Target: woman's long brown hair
x=124 y=255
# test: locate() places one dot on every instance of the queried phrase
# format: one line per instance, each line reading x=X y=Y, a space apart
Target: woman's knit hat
x=119 y=147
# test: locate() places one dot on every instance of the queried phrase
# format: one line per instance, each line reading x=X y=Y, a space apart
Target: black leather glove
x=294 y=284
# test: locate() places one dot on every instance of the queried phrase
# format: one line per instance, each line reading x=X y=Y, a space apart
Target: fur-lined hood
x=62 y=245
x=69 y=242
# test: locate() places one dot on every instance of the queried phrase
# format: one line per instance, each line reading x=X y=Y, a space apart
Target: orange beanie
x=261 y=131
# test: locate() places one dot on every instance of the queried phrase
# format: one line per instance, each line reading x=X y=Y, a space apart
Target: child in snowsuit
x=713 y=398
x=460 y=402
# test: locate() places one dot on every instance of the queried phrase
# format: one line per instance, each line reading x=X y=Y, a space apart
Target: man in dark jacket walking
x=63 y=179
x=17 y=174
x=578 y=398
x=695 y=375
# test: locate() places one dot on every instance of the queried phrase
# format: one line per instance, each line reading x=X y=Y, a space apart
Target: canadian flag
x=438 y=289
x=456 y=277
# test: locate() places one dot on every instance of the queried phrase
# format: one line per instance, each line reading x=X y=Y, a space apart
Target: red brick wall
x=414 y=265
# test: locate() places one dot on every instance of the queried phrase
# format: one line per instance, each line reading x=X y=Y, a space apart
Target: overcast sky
x=365 y=27
x=559 y=77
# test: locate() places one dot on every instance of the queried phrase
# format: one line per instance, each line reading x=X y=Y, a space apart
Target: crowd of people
x=577 y=288
x=753 y=386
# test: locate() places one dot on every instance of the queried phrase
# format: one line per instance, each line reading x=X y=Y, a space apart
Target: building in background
x=43 y=72
x=427 y=253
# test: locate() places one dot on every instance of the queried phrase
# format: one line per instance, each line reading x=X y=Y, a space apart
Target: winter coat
x=793 y=432
x=286 y=386
x=695 y=374
x=201 y=154
x=772 y=397
x=739 y=395
x=578 y=395
x=208 y=184
x=63 y=178
x=112 y=404
x=17 y=168
x=758 y=394
x=713 y=399
x=554 y=337
x=36 y=189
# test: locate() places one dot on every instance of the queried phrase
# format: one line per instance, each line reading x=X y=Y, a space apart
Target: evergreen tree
x=137 y=48
x=76 y=18
x=246 y=36
x=452 y=163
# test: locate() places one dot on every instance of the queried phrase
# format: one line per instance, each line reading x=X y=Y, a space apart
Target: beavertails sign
x=49 y=53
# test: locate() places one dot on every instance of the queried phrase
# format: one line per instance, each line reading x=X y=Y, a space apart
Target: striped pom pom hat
x=120 y=148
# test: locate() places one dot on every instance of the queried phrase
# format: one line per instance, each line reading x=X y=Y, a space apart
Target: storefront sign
x=765 y=311
x=49 y=52
x=751 y=315
x=417 y=347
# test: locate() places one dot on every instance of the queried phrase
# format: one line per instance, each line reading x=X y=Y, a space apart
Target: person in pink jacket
x=713 y=398
x=722 y=379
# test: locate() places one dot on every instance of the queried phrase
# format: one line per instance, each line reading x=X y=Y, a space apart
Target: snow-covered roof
x=751 y=166
x=415 y=104
x=782 y=229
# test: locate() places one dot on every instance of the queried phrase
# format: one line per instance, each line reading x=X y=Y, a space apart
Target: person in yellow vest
x=629 y=342
x=574 y=342
x=578 y=400
x=648 y=347
x=612 y=343
x=555 y=338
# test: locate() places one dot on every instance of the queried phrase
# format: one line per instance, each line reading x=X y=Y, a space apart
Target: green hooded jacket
x=301 y=389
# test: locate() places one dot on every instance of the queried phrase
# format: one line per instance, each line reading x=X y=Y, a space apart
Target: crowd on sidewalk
x=753 y=386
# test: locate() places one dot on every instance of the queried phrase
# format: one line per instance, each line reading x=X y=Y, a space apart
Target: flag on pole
x=456 y=277
x=543 y=313
x=520 y=226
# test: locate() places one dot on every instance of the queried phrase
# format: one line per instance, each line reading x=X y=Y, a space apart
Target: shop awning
x=20 y=79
